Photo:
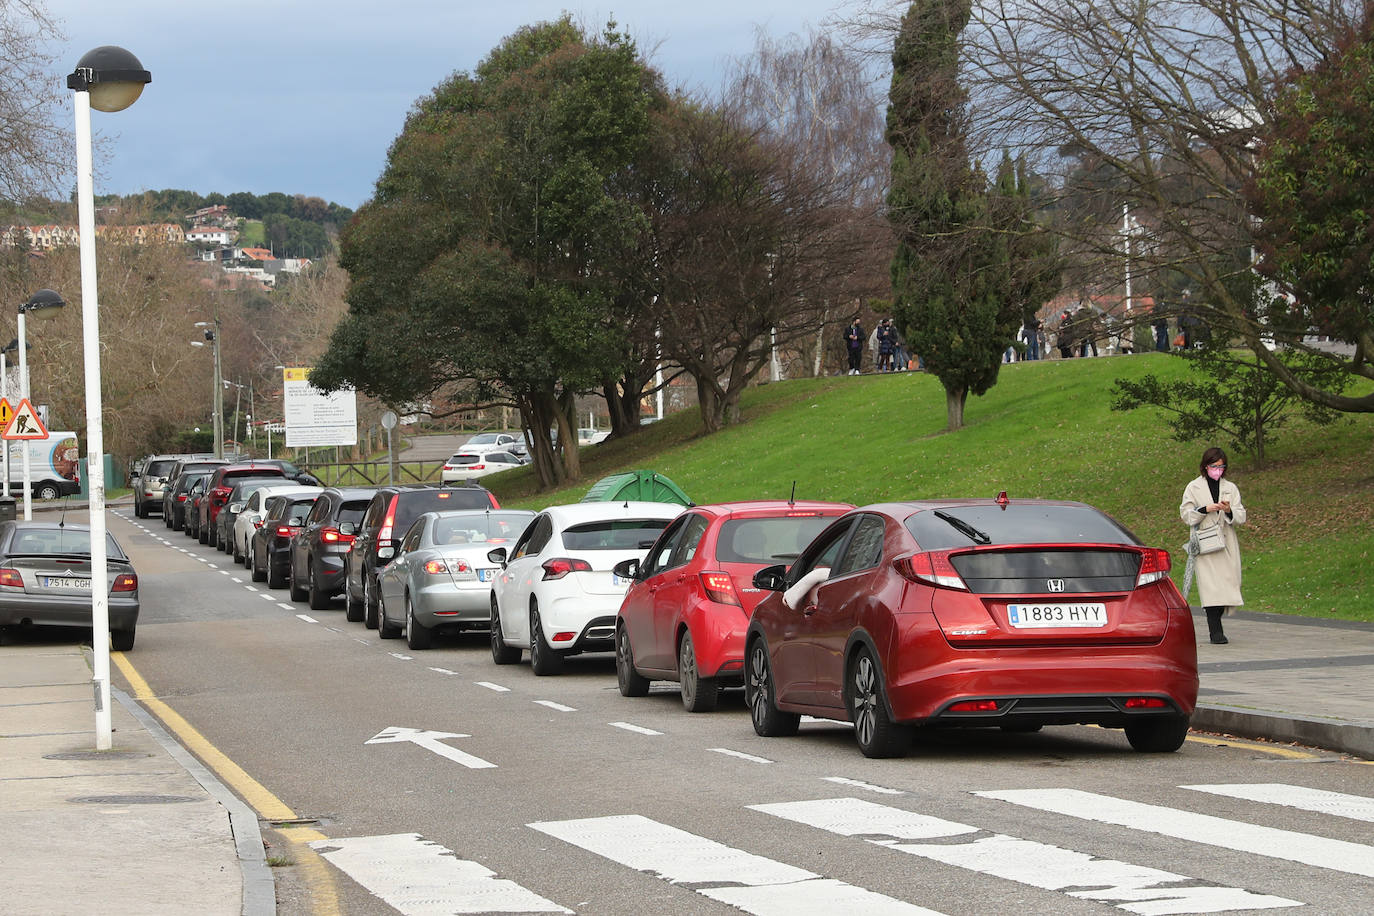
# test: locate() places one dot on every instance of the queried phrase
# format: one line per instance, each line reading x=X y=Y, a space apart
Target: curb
x=1354 y=738
x=259 y=885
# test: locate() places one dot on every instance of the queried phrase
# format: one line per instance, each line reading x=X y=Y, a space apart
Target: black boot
x=1214 y=625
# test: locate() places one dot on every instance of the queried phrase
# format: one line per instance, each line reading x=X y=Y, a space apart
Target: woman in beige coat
x=1212 y=500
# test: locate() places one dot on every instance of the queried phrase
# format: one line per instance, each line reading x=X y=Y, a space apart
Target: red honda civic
x=689 y=601
x=973 y=612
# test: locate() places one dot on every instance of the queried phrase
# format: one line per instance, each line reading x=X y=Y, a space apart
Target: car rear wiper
x=973 y=534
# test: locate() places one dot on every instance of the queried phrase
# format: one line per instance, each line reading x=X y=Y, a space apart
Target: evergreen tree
x=952 y=273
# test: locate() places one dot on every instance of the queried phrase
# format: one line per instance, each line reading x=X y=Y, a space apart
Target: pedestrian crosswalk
x=414 y=875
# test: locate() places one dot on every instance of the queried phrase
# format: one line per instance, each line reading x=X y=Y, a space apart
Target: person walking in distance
x=1212 y=501
x=887 y=344
x=854 y=344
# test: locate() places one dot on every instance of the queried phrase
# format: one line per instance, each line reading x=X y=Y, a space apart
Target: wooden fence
x=375 y=473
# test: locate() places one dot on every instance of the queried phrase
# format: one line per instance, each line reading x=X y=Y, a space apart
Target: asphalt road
x=557 y=794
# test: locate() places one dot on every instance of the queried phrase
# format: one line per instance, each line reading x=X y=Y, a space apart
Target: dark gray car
x=316 y=567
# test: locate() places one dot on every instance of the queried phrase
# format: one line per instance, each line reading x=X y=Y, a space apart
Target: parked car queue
x=958 y=613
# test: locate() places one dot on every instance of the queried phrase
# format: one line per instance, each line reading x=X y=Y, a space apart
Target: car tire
x=385 y=629
x=418 y=636
x=274 y=578
x=318 y=597
x=543 y=660
x=759 y=696
x=353 y=607
x=122 y=640
x=699 y=694
x=1157 y=734
x=878 y=736
x=501 y=653
x=297 y=593
x=47 y=491
x=630 y=681
x=370 y=599
x=255 y=572
x=138 y=507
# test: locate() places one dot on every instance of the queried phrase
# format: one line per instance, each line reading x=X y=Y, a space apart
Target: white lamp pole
x=107 y=79
x=42 y=304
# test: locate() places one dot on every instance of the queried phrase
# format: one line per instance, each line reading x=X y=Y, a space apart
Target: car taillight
x=11 y=578
x=257 y=523
x=974 y=706
x=1146 y=703
x=125 y=582
x=1154 y=565
x=220 y=494
x=456 y=567
x=283 y=531
x=930 y=568
x=332 y=536
x=559 y=567
x=181 y=498
x=720 y=588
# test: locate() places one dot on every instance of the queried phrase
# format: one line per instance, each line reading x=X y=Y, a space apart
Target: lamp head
x=113 y=77
x=43 y=304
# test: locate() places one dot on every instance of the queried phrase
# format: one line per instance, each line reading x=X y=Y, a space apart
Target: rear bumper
x=450 y=604
x=74 y=611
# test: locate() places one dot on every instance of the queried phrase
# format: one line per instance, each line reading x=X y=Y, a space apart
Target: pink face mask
x=1215 y=473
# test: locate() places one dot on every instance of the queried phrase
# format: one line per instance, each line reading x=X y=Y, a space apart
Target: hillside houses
x=46 y=238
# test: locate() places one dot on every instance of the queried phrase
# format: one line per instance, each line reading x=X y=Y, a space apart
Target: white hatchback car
x=556 y=594
x=254 y=510
x=473 y=465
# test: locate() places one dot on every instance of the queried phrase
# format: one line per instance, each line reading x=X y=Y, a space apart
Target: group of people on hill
x=889 y=350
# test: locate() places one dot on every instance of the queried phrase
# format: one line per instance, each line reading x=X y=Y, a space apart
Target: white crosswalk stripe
x=743 y=880
x=419 y=877
x=1134 y=888
x=1337 y=855
x=1337 y=804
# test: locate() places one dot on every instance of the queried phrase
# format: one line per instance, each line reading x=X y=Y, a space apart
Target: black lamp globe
x=113 y=77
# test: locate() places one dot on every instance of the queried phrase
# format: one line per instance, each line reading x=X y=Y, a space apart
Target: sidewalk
x=145 y=829
x=140 y=829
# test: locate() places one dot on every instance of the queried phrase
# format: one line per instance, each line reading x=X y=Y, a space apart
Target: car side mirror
x=347 y=528
x=627 y=569
x=236 y=507
x=771 y=578
x=296 y=523
x=497 y=556
x=386 y=553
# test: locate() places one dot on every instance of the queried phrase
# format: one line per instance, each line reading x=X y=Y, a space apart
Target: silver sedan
x=441 y=577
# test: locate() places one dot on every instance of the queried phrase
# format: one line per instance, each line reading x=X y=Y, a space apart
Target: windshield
x=1028 y=523
x=159 y=468
x=484 y=439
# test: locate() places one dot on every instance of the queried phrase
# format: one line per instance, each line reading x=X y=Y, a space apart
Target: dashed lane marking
x=637 y=729
x=740 y=754
x=558 y=706
x=307 y=618
x=867 y=787
x=490 y=686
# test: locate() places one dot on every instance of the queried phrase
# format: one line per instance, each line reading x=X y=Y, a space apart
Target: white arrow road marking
x=415 y=875
x=1338 y=804
x=1288 y=845
x=1134 y=888
x=431 y=741
x=743 y=880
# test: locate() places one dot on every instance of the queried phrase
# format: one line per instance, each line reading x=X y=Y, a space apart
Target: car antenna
x=792 y=500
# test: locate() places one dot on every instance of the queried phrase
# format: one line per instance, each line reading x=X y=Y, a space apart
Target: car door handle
x=809 y=610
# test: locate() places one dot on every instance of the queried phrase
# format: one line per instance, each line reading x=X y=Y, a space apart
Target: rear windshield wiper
x=964 y=528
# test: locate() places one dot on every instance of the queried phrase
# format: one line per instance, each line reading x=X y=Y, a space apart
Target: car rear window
x=617 y=534
x=159 y=468
x=59 y=542
x=767 y=540
x=491 y=528
x=1017 y=524
x=252 y=472
x=352 y=511
x=411 y=504
x=298 y=510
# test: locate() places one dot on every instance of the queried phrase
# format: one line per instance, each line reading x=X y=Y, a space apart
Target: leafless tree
x=34 y=151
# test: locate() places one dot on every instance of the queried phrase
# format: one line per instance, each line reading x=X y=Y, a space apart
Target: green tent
x=643 y=486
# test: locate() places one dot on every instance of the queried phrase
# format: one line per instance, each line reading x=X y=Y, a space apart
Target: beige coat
x=1218 y=573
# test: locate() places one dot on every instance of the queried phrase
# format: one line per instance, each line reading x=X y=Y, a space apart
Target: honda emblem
x=1055 y=585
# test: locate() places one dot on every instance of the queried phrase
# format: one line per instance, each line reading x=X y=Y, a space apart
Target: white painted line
x=558 y=706
x=812 y=720
x=237 y=581
x=637 y=729
x=743 y=880
x=404 y=658
x=430 y=741
x=1134 y=888
x=490 y=686
x=307 y=618
x=443 y=671
x=286 y=607
x=205 y=561
x=1337 y=855
x=740 y=754
x=216 y=566
x=415 y=875
x=1337 y=804
x=267 y=597
x=251 y=588
x=868 y=787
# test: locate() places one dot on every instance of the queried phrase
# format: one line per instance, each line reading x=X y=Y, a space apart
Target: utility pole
x=211 y=329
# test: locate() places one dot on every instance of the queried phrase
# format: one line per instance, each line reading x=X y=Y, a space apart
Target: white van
x=54 y=465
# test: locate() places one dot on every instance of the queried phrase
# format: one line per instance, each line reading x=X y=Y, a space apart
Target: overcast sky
x=305 y=96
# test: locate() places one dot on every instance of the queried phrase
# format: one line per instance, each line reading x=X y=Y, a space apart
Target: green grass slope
x=1045 y=430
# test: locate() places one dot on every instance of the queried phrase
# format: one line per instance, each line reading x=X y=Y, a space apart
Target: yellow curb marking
x=1288 y=752
x=320 y=880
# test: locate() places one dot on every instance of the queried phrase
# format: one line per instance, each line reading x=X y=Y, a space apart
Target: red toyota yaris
x=688 y=603
x=1010 y=613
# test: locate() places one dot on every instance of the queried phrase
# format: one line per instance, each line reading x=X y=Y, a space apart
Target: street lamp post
x=211 y=329
x=11 y=347
x=107 y=79
x=42 y=304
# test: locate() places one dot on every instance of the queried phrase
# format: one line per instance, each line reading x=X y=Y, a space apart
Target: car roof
x=769 y=507
x=903 y=509
x=351 y=493
x=576 y=513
